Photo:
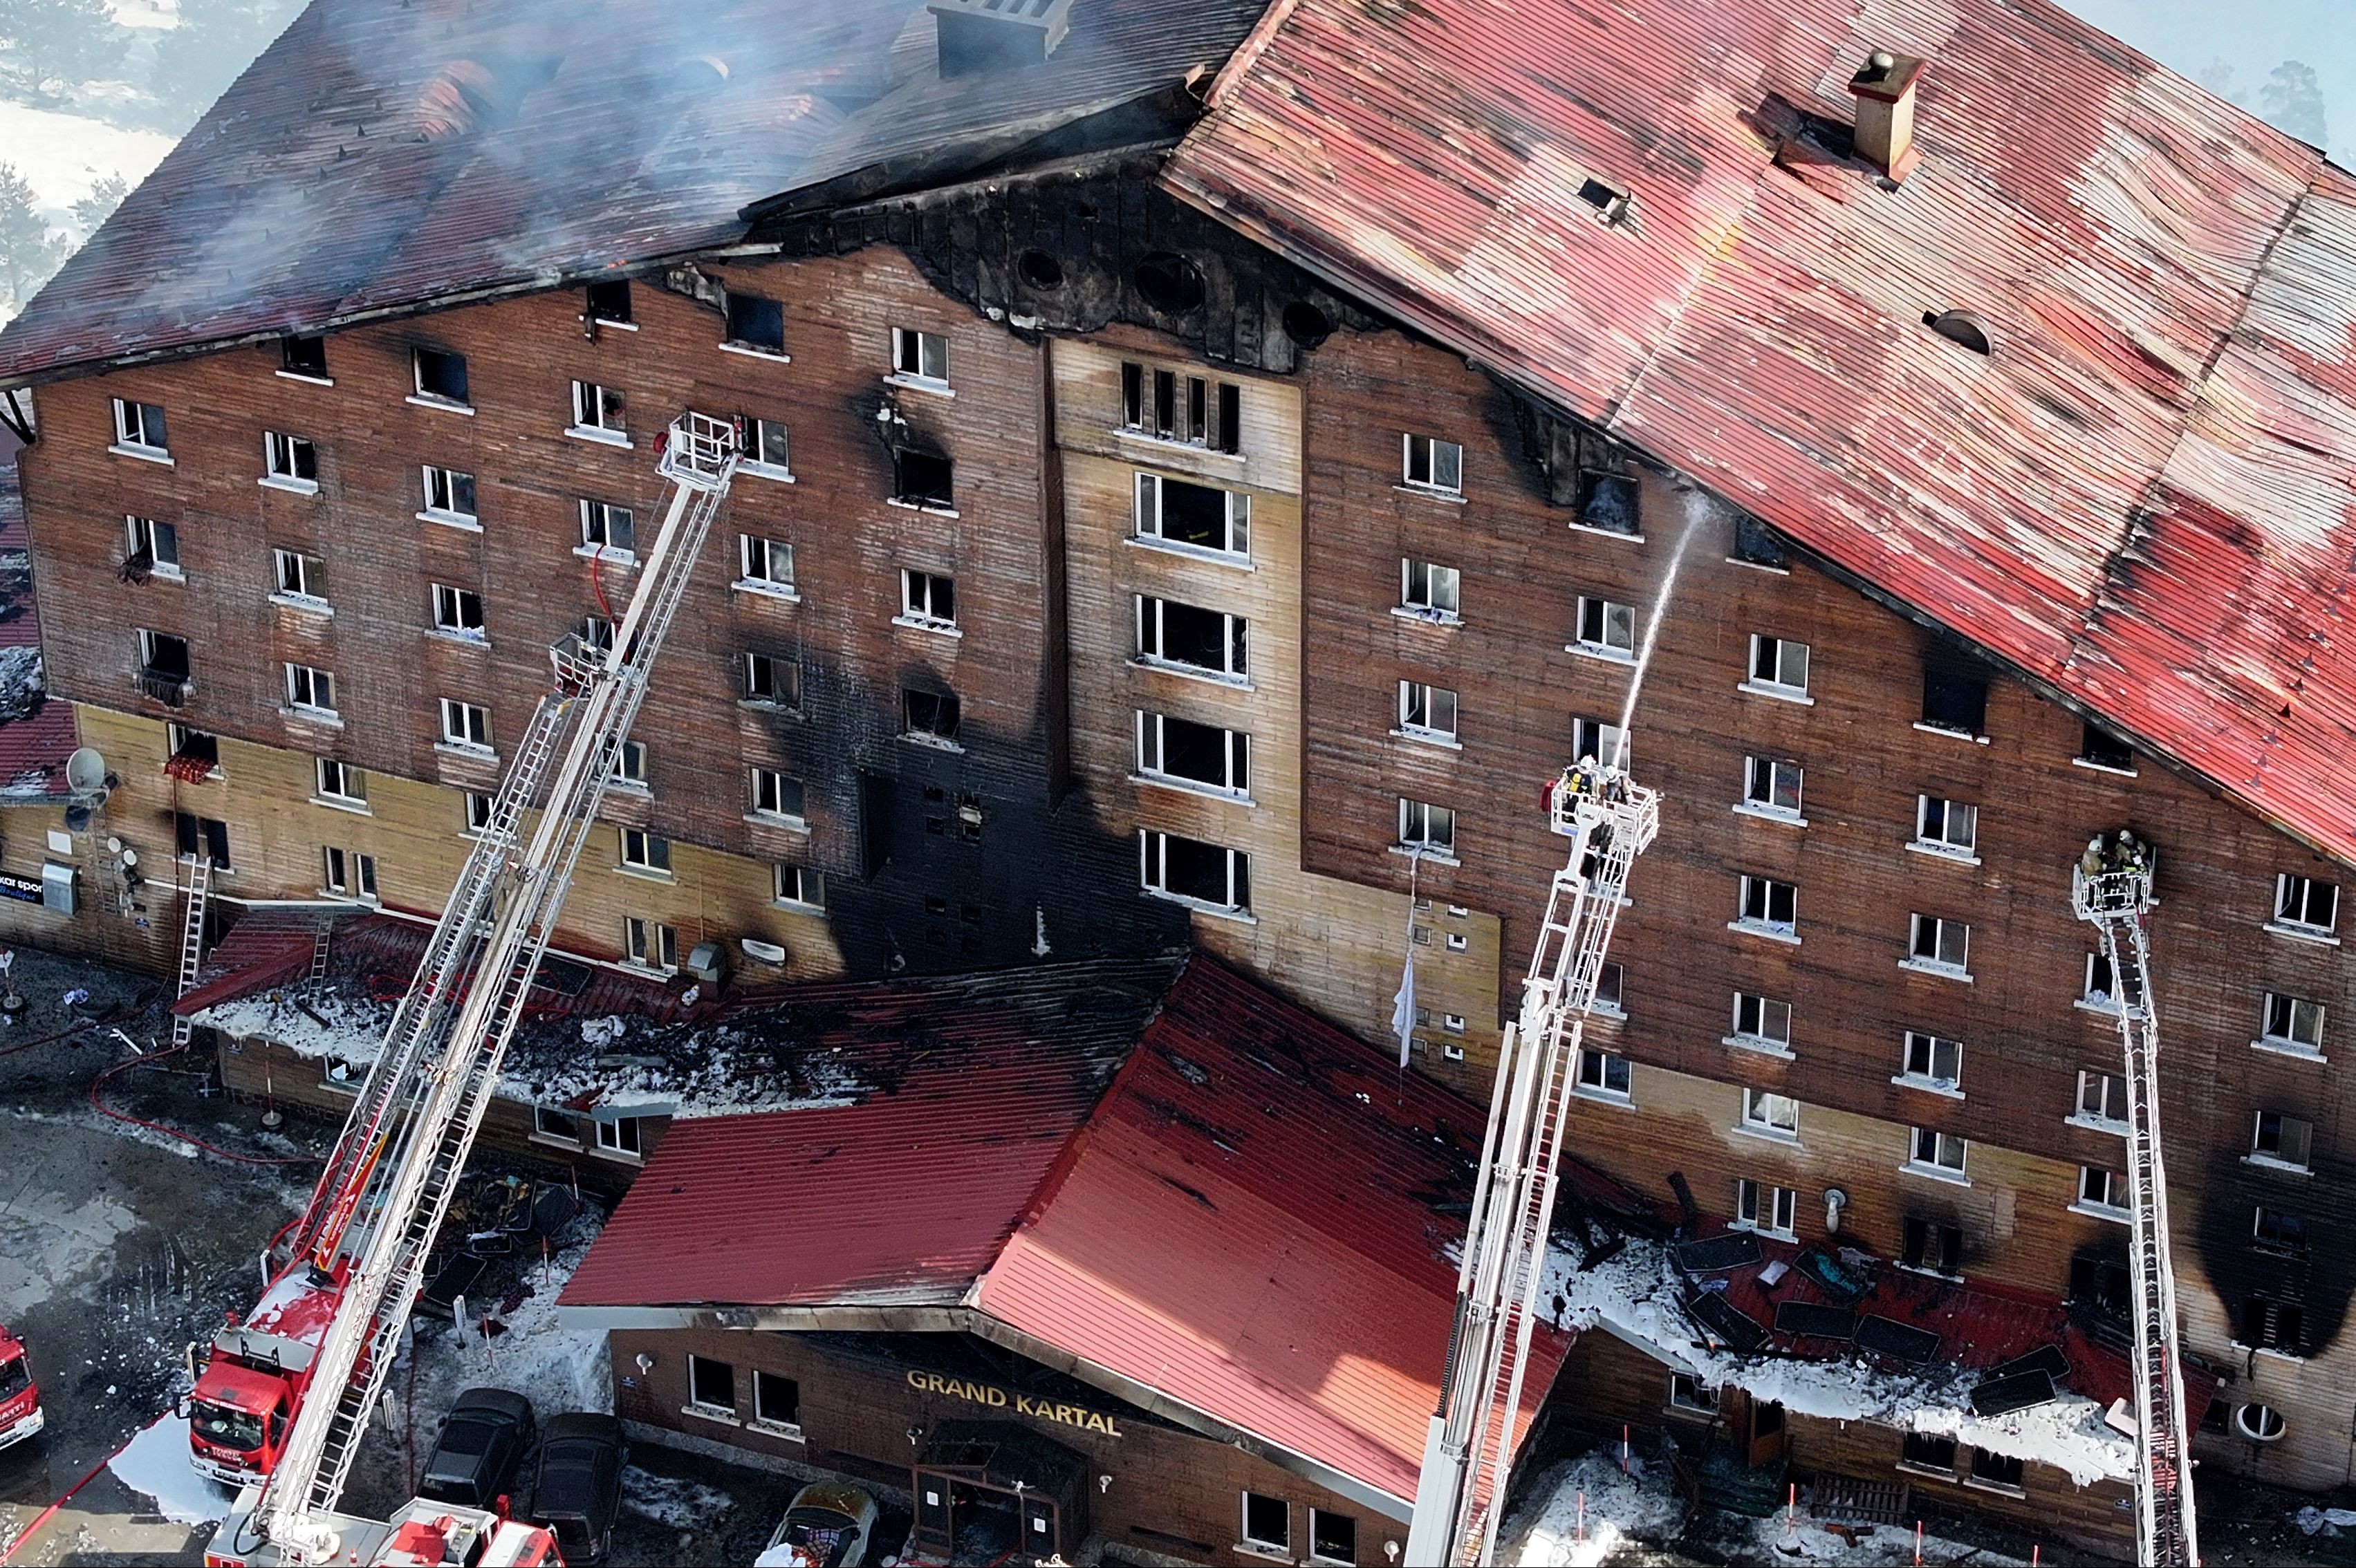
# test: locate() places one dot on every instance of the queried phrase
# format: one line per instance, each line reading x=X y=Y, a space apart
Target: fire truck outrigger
x=360 y=1253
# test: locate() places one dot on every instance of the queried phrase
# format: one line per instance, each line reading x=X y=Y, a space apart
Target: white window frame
x=283 y=459
x=920 y=358
x=159 y=541
x=1763 y=1011
x=1603 y=745
x=311 y=690
x=419 y=395
x=764 y=457
x=1261 y=1544
x=1946 y=827
x=1154 y=873
x=791 y=885
x=1950 y=944
x=2102 y=1192
x=2295 y=900
x=1152 y=733
x=337 y=782
x=1768 y=1115
x=1429 y=463
x=441 y=487
x=131 y=432
x=630 y=767
x=1923 y=1047
x=769 y=788
x=1597 y=1070
x=477 y=813
x=1763 y=782
x=2108 y=1091
x=1426 y=712
x=1234 y=641
x=1235 y=531
x=1780 y=1206
x=1317 y=1556
x=622 y=1138
x=597 y=519
x=651 y=945
x=1776 y=670
x=754 y=665
x=1427 y=829
x=542 y=1134
x=1940 y=1146
x=1762 y=892
x=643 y=853
x=2290 y=1026
x=461 y=720
x=1607 y=630
x=1438 y=598
x=299 y=579
x=2260 y=1154
x=1689 y=1394
x=451 y=603
x=757 y=558
x=600 y=413
x=924 y=596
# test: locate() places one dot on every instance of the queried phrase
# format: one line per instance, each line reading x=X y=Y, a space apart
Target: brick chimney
x=1884 y=87
x=992 y=35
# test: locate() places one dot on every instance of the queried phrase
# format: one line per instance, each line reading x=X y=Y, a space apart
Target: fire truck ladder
x=192 y=939
x=2114 y=901
x=1469 y=1446
x=398 y=1161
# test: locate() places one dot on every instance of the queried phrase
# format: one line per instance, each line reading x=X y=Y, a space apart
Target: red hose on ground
x=103 y=1109
x=29 y=1044
x=50 y=1512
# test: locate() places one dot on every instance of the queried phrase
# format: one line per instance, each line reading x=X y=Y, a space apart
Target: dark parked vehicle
x=484 y=1439
x=579 y=1487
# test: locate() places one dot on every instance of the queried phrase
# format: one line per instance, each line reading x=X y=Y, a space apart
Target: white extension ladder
x=192 y=939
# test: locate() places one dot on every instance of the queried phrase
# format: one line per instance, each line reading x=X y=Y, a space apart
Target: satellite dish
x=86 y=770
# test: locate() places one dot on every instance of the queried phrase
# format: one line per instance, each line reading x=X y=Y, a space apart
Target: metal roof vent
x=994 y=35
x=1884 y=87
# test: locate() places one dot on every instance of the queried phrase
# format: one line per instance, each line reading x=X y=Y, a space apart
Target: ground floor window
x=1268 y=1522
x=1333 y=1536
x=1926 y=1451
x=777 y=1399
x=555 y=1126
x=1689 y=1392
x=619 y=1137
x=710 y=1385
x=1991 y=1469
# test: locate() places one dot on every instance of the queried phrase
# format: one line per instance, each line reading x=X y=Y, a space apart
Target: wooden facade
x=1026 y=838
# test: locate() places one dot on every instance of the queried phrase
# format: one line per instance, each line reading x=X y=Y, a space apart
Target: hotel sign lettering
x=1021 y=1404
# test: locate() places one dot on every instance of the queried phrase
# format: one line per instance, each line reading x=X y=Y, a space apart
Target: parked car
x=829 y=1526
x=484 y=1439
x=578 y=1489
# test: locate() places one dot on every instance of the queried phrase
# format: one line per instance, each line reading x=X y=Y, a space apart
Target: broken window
x=1606 y=629
x=1333 y=1536
x=340 y=782
x=290 y=461
x=644 y=851
x=1941 y=945
x=2002 y=1471
x=310 y=690
x=650 y=945
x=1204 y=754
x=2099 y=749
x=549 y=1124
x=1932 y=1062
x=1598 y=740
x=777 y=1399
x=1197 y=516
x=920 y=356
x=1769 y=906
x=928 y=599
x=755 y=322
x=1609 y=501
x=1954 y=700
x=802 y=885
x=1189 y=409
x=151 y=548
x=606 y=528
x=710 y=1383
x=441 y=376
x=458 y=611
x=164 y=670
x=930 y=716
x=2100 y=1283
x=479 y=809
x=598 y=411
x=2270 y=1323
x=205 y=835
x=771 y=679
x=1761 y=1207
x=1268 y=1522
x=923 y=479
x=194 y=747
x=630 y=765
x=305 y=356
x=2306 y=903
x=1948 y=826
x=768 y=564
x=1929 y=1244
x=1602 y=1075
x=609 y=303
x=1756 y=544
x=300 y=576
x=1429 y=590
x=1197 y=872
x=1771 y=786
x=2277 y=1139
x=1778 y=666
x=1687 y=1392
x=1425 y=829
x=1931 y=1149
x=449 y=495
x=1927 y=1451
x=1429 y=464
x=1765 y=1111
x=466 y=724
x=2099 y=1187
x=777 y=794
x=2100 y=990
x=2292 y=1022
x=1426 y=712
x=1169 y=633
x=1762 y=1023
x=764 y=444
x=139 y=426
x=2103 y=1097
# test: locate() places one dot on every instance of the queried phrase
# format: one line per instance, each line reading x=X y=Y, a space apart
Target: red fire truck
x=20 y=1397
x=246 y=1397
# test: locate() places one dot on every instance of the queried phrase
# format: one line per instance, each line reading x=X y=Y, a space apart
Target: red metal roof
x=2144 y=499
x=1250 y=1222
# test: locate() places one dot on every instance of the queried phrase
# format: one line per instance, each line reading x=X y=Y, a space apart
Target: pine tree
x=54 y=44
x=2293 y=100
x=28 y=254
x=100 y=204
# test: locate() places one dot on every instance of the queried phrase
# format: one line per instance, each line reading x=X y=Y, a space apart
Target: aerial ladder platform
x=1469 y=1446
x=395 y=1168
x=2109 y=889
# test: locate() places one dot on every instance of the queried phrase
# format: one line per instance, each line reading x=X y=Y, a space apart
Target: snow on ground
x=155 y=1465
x=1637 y=1295
x=556 y=1367
x=682 y=1505
x=131 y=1130
x=63 y=156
